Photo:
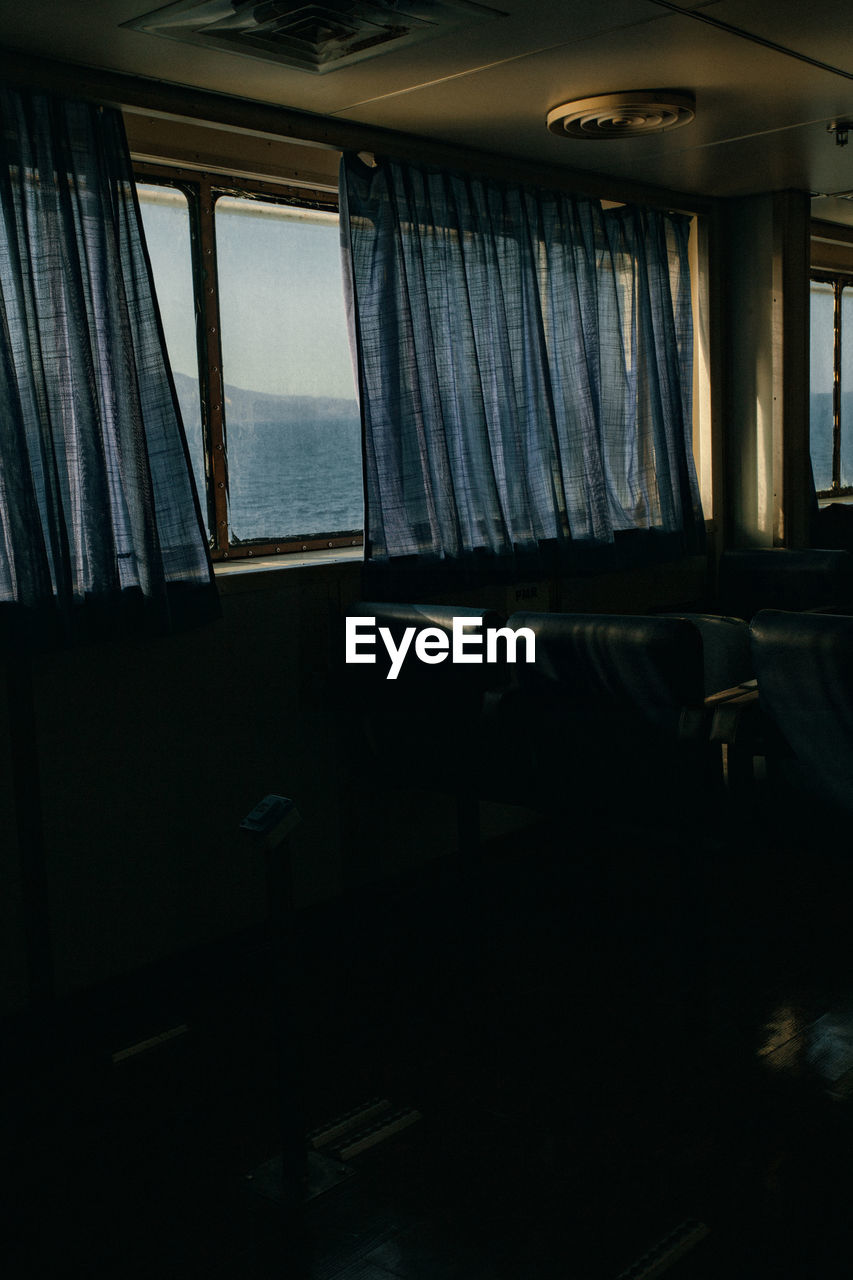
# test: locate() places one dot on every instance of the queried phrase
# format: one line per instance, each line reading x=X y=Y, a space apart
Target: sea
x=820 y=435
x=294 y=462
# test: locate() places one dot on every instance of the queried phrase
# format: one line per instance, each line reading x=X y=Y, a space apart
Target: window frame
x=201 y=190
x=839 y=281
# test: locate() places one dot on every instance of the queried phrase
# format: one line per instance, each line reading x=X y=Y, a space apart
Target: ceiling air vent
x=311 y=37
x=622 y=115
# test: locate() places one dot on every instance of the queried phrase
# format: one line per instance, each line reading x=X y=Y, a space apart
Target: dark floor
x=584 y=1088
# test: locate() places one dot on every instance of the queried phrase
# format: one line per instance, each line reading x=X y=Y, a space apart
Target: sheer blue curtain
x=524 y=362
x=99 y=518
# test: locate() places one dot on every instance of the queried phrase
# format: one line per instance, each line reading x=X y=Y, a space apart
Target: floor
x=588 y=1080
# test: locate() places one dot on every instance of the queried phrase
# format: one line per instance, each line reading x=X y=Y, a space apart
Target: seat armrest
x=736 y=725
x=736 y=692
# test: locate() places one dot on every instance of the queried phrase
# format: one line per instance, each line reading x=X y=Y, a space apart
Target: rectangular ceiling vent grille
x=310 y=37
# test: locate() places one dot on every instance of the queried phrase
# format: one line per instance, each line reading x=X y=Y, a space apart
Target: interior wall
x=151 y=752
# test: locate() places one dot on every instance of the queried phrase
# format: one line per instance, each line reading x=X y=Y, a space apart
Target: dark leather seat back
x=425 y=724
x=647 y=669
x=775 y=578
x=804 y=665
x=726 y=657
x=611 y=715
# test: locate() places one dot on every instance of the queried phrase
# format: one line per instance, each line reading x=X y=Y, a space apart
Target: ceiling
x=768 y=76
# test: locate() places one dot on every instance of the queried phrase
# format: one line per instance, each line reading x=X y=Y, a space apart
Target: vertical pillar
x=792 y=496
x=766 y=325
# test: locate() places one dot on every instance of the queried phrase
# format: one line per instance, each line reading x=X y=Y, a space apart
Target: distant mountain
x=247 y=411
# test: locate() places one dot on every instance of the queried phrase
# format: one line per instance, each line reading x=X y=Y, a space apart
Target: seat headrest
x=804 y=666
x=651 y=663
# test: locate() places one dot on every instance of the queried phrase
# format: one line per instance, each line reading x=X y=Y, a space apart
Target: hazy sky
x=281 y=296
x=821 y=337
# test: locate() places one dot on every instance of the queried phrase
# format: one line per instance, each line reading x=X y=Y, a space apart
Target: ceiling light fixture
x=840 y=128
x=623 y=115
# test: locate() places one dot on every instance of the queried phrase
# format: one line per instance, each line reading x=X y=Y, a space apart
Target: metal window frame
x=202 y=189
x=839 y=281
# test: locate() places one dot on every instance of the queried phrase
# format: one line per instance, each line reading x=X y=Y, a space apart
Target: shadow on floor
x=580 y=1098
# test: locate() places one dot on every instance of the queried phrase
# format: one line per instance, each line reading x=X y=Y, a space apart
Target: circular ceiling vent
x=622 y=115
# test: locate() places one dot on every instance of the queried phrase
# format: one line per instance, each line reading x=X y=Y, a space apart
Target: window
x=831 y=402
x=250 y=290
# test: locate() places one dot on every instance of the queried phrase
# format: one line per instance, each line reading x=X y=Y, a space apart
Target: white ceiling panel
x=820 y=29
x=530 y=25
x=504 y=109
x=761 y=114
x=804 y=159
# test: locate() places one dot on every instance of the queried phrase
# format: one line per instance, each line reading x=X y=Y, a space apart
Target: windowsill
x=225 y=570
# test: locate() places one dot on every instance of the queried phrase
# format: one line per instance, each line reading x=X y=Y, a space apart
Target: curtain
x=524 y=361
x=99 y=518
